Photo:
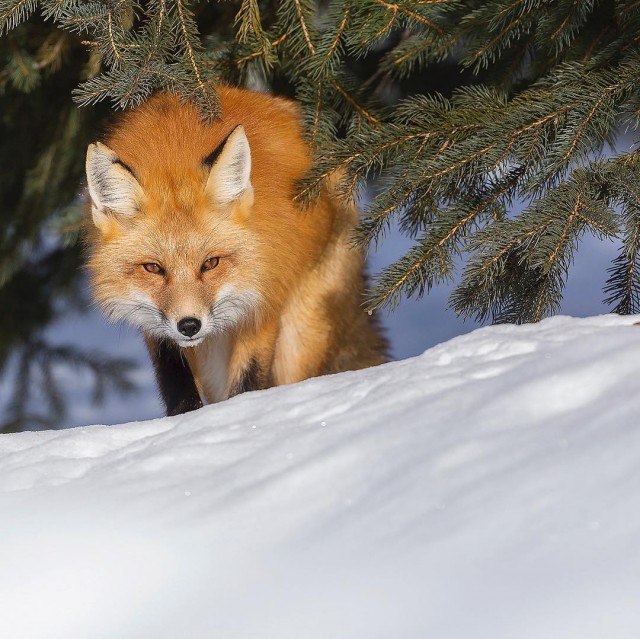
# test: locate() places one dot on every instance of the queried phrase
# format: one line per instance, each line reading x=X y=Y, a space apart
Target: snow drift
x=489 y=488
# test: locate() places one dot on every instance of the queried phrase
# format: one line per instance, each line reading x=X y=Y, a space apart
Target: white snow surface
x=489 y=488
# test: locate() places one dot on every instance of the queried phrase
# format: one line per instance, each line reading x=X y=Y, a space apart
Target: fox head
x=173 y=252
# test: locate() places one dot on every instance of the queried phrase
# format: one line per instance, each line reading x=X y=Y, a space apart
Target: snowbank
x=489 y=488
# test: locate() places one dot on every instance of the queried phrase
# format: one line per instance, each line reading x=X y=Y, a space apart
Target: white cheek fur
x=234 y=307
x=137 y=310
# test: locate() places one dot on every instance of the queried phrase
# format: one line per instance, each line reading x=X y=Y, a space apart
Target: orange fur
x=292 y=280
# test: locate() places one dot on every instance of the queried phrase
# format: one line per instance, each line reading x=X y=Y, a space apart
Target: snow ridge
x=488 y=488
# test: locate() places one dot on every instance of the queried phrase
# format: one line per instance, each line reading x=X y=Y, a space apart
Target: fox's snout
x=189 y=326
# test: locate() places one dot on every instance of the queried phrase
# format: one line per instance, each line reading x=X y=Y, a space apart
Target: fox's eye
x=209 y=264
x=152 y=267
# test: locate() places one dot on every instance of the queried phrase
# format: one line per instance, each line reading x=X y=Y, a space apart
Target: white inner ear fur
x=111 y=186
x=230 y=175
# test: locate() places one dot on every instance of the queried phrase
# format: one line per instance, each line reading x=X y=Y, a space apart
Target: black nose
x=189 y=326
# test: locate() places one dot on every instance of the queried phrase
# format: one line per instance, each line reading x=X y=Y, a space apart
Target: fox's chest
x=210 y=366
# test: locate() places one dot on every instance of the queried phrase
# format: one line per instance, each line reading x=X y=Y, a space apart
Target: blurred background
x=61 y=364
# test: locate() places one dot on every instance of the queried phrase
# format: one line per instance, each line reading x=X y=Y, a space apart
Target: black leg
x=174 y=377
x=253 y=378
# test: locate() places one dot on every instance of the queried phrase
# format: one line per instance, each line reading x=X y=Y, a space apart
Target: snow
x=488 y=488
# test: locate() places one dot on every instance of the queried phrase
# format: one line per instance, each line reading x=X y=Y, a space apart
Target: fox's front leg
x=175 y=380
x=252 y=361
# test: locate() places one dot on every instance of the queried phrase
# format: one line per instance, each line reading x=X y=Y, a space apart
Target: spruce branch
x=415 y=52
x=208 y=101
x=248 y=22
x=426 y=265
x=316 y=123
x=559 y=28
x=411 y=10
x=154 y=46
x=619 y=179
x=329 y=53
x=362 y=112
x=300 y=12
x=13 y=12
x=540 y=241
x=81 y=19
x=111 y=31
x=95 y=89
x=249 y=31
x=623 y=285
x=430 y=262
x=262 y=52
x=492 y=33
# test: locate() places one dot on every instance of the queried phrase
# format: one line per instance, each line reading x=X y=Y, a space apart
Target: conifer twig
x=395 y=8
x=303 y=25
x=358 y=107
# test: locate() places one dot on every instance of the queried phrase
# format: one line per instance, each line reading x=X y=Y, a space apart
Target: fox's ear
x=112 y=185
x=230 y=173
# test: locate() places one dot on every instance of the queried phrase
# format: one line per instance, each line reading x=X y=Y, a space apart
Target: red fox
x=194 y=237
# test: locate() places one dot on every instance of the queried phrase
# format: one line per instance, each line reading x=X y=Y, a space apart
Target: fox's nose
x=189 y=326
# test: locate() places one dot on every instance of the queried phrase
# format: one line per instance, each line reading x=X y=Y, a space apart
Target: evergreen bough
x=480 y=126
